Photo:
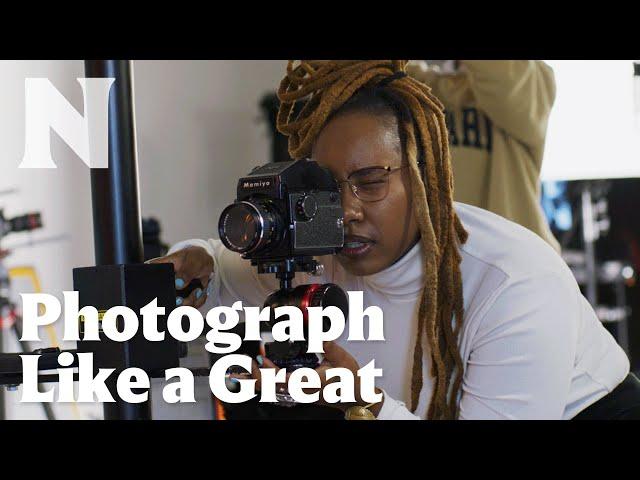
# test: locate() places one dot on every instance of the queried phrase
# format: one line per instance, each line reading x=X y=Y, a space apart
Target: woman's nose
x=351 y=206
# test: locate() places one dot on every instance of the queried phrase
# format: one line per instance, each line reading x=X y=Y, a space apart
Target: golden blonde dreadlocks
x=324 y=87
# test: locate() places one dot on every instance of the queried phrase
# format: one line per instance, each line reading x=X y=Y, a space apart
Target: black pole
x=114 y=190
x=117 y=230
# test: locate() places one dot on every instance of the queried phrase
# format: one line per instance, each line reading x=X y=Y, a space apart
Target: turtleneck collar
x=402 y=279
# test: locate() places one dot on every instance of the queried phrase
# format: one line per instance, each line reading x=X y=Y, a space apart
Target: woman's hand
x=190 y=263
x=334 y=357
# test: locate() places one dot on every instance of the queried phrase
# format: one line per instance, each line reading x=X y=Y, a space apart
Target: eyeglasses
x=370 y=184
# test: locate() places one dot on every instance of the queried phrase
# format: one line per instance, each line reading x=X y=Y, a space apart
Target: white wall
x=594 y=127
x=198 y=130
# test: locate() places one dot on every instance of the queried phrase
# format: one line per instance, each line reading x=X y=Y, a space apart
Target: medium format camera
x=285 y=214
x=284 y=210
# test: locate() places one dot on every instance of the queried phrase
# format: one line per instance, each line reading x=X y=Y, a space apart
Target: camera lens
x=245 y=227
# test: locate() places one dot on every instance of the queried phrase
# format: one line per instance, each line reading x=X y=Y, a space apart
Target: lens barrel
x=247 y=227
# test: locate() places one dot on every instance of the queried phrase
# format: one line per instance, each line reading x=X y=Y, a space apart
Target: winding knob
x=306 y=207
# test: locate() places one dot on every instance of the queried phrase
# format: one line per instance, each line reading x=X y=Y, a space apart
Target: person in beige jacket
x=497 y=113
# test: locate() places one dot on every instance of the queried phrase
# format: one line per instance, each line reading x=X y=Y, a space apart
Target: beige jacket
x=497 y=113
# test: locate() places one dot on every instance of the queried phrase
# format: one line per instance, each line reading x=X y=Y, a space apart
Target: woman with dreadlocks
x=482 y=318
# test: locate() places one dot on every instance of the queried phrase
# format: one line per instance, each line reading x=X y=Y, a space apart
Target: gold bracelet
x=360 y=413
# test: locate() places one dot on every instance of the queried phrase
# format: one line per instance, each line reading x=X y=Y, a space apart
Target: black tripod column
x=117 y=230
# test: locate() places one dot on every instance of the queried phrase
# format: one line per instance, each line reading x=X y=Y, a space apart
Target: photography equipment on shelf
x=9 y=316
x=22 y=223
x=578 y=214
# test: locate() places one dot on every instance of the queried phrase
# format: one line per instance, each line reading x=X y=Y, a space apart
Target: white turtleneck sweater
x=531 y=345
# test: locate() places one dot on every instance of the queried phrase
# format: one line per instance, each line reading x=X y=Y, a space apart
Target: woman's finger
x=188 y=263
x=200 y=302
x=198 y=264
x=188 y=301
x=201 y=297
x=332 y=351
x=184 y=272
x=339 y=357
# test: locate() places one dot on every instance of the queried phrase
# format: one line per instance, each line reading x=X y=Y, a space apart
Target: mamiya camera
x=284 y=210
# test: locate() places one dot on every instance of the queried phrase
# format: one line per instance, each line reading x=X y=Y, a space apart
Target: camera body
x=284 y=210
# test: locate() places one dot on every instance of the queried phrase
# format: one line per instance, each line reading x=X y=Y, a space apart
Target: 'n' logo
x=46 y=108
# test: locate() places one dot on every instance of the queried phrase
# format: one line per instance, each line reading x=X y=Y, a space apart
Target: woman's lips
x=355 y=246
